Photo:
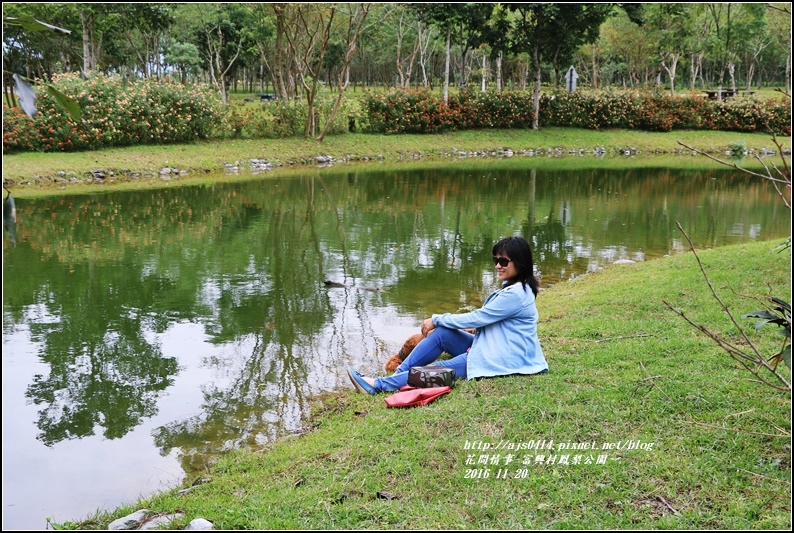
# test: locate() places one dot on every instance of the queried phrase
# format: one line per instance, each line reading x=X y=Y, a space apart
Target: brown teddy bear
x=394 y=361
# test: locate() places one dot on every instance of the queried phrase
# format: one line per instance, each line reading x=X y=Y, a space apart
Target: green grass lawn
x=658 y=427
x=57 y=171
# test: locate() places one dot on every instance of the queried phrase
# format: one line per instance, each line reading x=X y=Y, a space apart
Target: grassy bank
x=40 y=170
x=700 y=446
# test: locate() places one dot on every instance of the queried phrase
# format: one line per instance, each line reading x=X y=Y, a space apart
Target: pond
x=146 y=332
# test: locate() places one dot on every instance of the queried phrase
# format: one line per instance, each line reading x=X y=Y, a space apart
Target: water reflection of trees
x=282 y=315
x=247 y=262
x=103 y=372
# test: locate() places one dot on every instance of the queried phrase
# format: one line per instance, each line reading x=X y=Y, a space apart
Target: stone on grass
x=199 y=524
x=130 y=521
x=162 y=520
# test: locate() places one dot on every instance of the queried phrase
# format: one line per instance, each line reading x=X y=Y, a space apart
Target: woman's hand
x=427 y=327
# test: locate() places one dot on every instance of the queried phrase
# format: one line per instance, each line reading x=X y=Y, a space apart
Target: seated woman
x=506 y=341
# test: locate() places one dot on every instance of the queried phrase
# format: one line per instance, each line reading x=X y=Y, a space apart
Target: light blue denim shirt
x=506 y=341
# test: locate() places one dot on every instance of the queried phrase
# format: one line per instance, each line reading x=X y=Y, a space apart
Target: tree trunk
x=536 y=94
x=719 y=85
x=219 y=74
x=467 y=62
x=424 y=35
x=157 y=63
x=446 y=69
x=411 y=63
x=499 y=72
x=141 y=57
x=344 y=75
x=700 y=68
x=399 y=61
x=732 y=74
x=88 y=23
x=310 y=128
x=555 y=66
x=693 y=71
x=484 y=74
x=671 y=72
x=750 y=74
x=219 y=78
x=8 y=84
x=307 y=65
x=278 y=60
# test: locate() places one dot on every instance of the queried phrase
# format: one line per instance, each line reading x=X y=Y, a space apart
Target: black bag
x=430 y=376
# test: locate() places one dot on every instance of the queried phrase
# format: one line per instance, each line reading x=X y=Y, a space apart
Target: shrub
x=406 y=111
x=115 y=113
x=656 y=112
x=592 y=110
x=507 y=110
x=751 y=114
x=323 y=105
x=418 y=111
x=278 y=119
x=18 y=133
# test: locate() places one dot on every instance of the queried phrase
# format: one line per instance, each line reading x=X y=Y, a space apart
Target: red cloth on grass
x=413 y=396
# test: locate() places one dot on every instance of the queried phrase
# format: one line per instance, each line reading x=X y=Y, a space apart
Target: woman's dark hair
x=517 y=250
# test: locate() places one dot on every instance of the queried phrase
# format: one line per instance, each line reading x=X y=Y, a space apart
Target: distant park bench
x=263 y=97
x=726 y=93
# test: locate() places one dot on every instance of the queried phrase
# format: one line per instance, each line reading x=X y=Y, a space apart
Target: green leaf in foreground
x=766 y=315
x=27 y=99
x=30 y=24
x=70 y=105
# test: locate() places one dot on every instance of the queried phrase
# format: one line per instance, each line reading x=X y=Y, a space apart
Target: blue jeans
x=441 y=340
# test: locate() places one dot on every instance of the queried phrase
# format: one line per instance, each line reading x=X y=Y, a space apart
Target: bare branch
x=621 y=337
x=356 y=20
x=784 y=9
x=776 y=183
x=714 y=292
x=733 y=165
x=786 y=172
x=740 y=356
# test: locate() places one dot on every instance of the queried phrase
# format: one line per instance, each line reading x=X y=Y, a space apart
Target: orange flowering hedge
x=420 y=111
x=115 y=113
x=413 y=111
x=119 y=113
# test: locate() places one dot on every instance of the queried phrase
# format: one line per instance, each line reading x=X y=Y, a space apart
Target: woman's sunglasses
x=501 y=261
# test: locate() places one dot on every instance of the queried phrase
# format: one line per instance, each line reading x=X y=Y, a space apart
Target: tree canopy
x=283 y=46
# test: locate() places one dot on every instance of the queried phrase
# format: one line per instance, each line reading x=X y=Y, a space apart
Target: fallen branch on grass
x=622 y=337
x=765 y=477
x=661 y=499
